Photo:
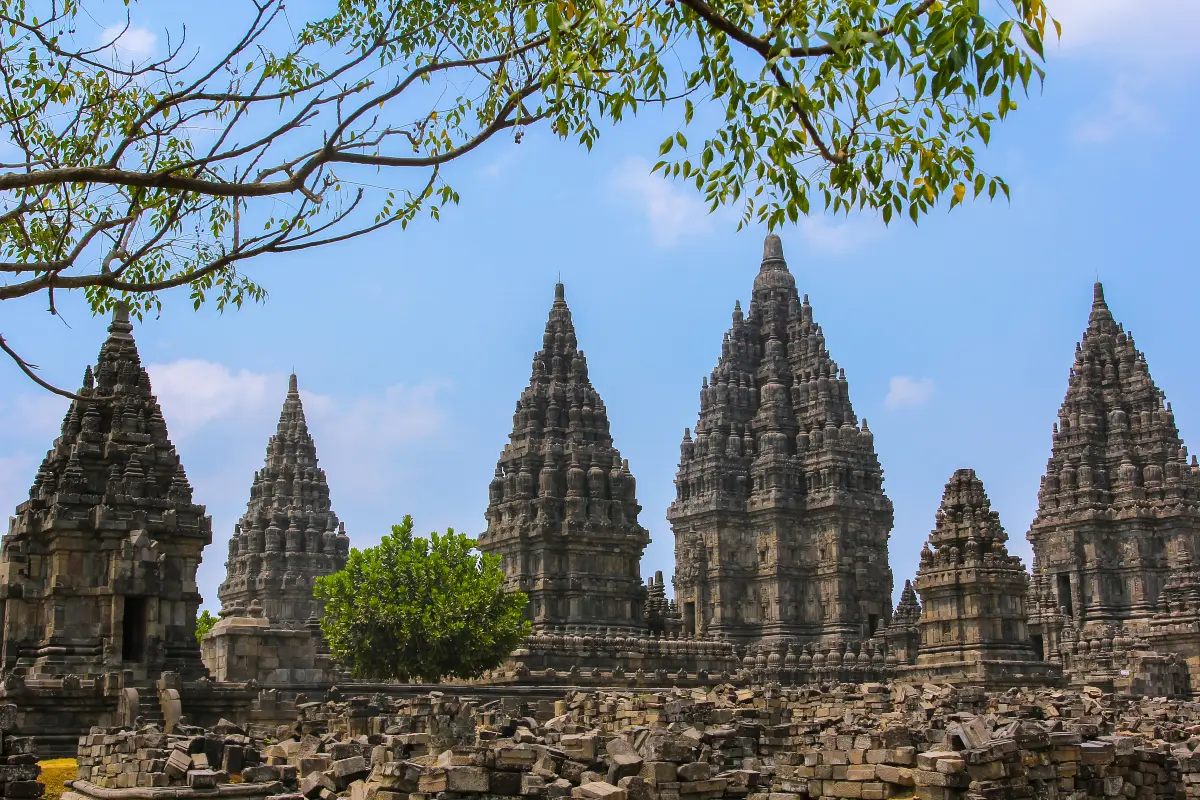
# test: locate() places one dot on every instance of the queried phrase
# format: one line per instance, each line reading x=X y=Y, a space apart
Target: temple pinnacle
x=293 y=386
x=772 y=249
x=560 y=291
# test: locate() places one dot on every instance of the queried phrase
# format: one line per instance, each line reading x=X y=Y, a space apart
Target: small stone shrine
x=289 y=536
x=781 y=523
x=562 y=510
x=973 y=624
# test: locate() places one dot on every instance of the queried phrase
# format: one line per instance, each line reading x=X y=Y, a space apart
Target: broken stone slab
x=598 y=790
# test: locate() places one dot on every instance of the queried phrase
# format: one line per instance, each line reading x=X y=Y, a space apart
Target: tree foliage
x=204 y=624
x=420 y=608
x=124 y=178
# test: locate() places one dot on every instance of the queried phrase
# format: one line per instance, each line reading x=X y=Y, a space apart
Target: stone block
x=312 y=784
x=928 y=760
x=518 y=757
x=533 y=785
x=504 y=783
x=24 y=790
x=598 y=790
x=695 y=771
x=317 y=762
x=201 y=779
x=178 y=763
x=580 y=747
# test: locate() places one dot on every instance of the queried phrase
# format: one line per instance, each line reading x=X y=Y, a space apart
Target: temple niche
x=781 y=523
x=269 y=629
x=562 y=510
x=1119 y=505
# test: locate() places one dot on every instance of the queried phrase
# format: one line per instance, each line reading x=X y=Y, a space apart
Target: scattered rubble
x=858 y=742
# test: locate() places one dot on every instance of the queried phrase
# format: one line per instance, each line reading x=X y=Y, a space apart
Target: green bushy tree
x=204 y=624
x=414 y=608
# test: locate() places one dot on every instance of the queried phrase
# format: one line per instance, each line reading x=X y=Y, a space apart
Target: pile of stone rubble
x=861 y=742
x=123 y=759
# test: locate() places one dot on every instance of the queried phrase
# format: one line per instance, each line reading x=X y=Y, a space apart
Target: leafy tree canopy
x=204 y=624
x=420 y=608
x=122 y=179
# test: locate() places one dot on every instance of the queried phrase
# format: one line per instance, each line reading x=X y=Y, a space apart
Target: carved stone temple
x=562 y=508
x=780 y=519
x=1118 y=523
x=973 y=624
x=99 y=565
x=289 y=536
x=781 y=529
x=98 y=571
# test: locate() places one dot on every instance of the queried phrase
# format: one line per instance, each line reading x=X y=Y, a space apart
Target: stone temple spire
x=973 y=592
x=562 y=510
x=908 y=610
x=99 y=566
x=289 y=535
x=1118 y=504
x=780 y=520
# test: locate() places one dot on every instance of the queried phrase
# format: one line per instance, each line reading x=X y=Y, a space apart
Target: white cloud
x=194 y=393
x=1127 y=113
x=1122 y=30
x=905 y=392
x=830 y=236
x=132 y=44
x=673 y=211
x=197 y=395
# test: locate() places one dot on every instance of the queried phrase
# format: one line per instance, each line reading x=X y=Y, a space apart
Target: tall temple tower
x=1119 y=505
x=562 y=510
x=289 y=535
x=781 y=523
x=98 y=572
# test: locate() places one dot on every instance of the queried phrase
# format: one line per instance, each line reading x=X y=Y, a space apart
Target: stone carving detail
x=562 y=510
x=99 y=565
x=781 y=523
x=289 y=535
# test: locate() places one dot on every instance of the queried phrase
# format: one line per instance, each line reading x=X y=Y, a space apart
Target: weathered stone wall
x=19 y=770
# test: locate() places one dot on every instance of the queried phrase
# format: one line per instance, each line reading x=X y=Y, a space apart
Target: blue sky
x=957 y=336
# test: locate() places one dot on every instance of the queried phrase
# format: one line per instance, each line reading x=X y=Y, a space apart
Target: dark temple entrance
x=133 y=629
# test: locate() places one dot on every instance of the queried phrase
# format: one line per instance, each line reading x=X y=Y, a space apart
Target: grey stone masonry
x=289 y=535
x=780 y=520
x=1119 y=505
x=98 y=571
x=563 y=510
